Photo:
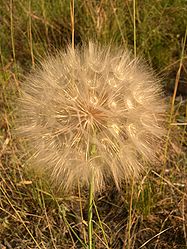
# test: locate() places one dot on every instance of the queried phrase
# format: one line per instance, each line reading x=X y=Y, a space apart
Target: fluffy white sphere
x=91 y=110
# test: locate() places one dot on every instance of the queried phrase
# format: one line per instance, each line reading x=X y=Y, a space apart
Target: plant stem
x=72 y=13
x=90 y=211
x=134 y=25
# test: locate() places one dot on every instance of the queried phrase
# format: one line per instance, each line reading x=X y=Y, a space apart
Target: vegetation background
x=149 y=214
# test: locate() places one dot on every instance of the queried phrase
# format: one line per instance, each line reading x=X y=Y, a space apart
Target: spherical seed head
x=91 y=111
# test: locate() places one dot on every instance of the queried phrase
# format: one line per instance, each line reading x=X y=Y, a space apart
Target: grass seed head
x=91 y=110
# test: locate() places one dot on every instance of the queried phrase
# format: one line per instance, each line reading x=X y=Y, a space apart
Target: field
x=150 y=213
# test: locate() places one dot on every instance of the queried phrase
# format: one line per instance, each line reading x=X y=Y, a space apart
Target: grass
x=150 y=213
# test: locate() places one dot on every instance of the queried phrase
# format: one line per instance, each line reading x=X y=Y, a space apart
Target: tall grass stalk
x=134 y=25
x=30 y=36
x=12 y=31
x=130 y=217
x=72 y=14
x=132 y=189
x=100 y=225
x=90 y=212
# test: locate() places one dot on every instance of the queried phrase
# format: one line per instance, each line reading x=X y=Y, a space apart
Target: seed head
x=90 y=111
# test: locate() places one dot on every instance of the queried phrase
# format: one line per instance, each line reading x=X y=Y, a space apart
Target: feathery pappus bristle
x=91 y=110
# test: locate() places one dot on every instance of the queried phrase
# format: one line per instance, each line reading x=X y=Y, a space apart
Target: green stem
x=90 y=211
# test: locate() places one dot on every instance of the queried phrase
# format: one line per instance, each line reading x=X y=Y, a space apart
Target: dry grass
x=147 y=214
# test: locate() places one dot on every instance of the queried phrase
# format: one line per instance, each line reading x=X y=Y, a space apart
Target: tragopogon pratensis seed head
x=91 y=110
